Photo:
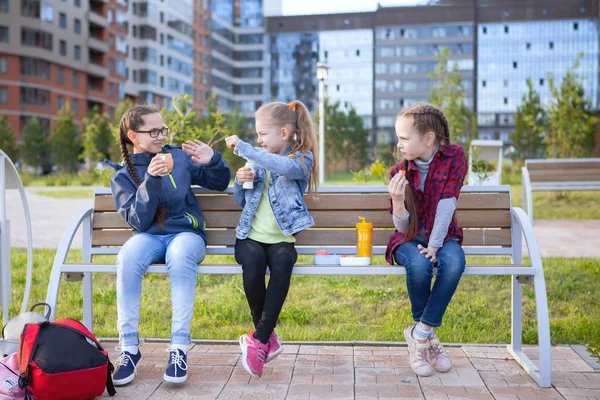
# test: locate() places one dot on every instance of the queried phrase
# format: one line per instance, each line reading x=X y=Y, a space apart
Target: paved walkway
x=50 y=217
x=358 y=372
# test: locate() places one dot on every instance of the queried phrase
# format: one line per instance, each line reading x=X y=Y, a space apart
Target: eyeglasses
x=155 y=132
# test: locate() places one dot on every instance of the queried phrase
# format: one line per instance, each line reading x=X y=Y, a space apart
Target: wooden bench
x=559 y=175
x=491 y=227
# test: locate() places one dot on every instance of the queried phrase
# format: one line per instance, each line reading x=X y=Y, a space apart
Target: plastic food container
x=327 y=260
x=355 y=261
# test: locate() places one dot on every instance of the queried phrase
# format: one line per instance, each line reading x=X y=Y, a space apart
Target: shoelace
x=177 y=359
x=423 y=355
x=438 y=350
x=123 y=359
x=261 y=354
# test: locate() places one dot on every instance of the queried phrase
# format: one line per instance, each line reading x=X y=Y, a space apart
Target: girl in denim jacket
x=274 y=211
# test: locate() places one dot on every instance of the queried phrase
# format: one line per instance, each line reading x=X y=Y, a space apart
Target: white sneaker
x=419 y=353
x=441 y=359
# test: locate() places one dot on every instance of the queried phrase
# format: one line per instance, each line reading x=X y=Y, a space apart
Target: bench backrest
x=482 y=211
x=564 y=170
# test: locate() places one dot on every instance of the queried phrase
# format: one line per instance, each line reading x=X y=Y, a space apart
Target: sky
x=299 y=7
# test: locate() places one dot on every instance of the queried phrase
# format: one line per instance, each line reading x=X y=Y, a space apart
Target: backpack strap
x=110 y=387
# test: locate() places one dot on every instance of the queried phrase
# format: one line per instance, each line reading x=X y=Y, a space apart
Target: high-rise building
x=237 y=54
x=496 y=45
x=58 y=52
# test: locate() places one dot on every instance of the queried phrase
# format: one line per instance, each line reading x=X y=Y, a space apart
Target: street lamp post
x=321 y=76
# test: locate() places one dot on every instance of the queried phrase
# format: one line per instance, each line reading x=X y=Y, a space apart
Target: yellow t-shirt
x=264 y=227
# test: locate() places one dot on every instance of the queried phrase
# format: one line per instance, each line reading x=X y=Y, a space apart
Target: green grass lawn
x=339 y=308
x=68 y=194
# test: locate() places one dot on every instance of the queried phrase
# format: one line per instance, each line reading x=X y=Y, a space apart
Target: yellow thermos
x=364 y=236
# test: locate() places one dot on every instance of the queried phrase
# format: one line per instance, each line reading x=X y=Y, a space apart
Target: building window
x=36 y=38
x=77 y=52
x=37 y=9
x=506 y=100
x=162 y=81
x=3 y=95
x=484 y=30
x=111 y=41
x=551 y=45
x=61 y=75
x=483 y=83
x=4 y=6
x=575 y=26
x=75 y=105
x=75 y=80
x=35 y=97
x=62 y=20
x=111 y=65
x=111 y=89
x=61 y=102
x=110 y=16
x=506 y=83
x=541 y=81
x=3 y=65
x=514 y=65
x=35 y=67
x=358 y=53
x=134 y=75
x=78 y=3
x=63 y=48
x=3 y=34
x=505 y=28
x=77 y=26
x=528 y=46
x=337 y=88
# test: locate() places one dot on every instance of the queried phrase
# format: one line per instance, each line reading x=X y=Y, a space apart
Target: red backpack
x=63 y=360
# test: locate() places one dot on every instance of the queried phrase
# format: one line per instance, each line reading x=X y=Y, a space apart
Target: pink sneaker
x=254 y=354
x=275 y=347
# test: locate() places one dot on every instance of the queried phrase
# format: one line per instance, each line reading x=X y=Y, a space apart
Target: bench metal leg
x=87 y=301
x=516 y=337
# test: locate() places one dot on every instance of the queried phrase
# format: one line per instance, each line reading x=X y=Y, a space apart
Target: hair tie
x=292 y=105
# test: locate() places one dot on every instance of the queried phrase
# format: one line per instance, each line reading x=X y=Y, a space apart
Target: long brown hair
x=131 y=121
x=426 y=118
x=297 y=116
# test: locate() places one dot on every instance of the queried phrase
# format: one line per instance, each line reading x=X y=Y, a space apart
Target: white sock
x=419 y=333
x=182 y=347
x=133 y=350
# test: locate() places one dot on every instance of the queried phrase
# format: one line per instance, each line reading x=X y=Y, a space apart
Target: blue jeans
x=182 y=252
x=429 y=304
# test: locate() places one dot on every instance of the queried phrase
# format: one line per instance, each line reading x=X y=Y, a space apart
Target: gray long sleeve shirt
x=443 y=217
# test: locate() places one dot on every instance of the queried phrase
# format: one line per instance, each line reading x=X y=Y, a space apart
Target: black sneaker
x=177 y=368
x=126 y=367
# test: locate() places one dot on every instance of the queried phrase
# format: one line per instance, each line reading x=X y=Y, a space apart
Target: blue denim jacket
x=289 y=180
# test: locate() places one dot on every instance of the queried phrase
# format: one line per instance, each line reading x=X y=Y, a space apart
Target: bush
x=50 y=180
x=88 y=177
x=26 y=178
x=106 y=175
x=63 y=179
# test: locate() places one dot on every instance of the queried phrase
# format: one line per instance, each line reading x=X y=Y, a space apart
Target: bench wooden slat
x=564 y=165
x=330 y=219
x=315 y=237
x=565 y=175
x=484 y=201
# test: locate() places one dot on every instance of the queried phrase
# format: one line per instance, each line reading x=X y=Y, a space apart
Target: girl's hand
x=396 y=188
x=201 y=153
x=158 y=165
x=430 y=253
x=231 y=141
x=245 y=174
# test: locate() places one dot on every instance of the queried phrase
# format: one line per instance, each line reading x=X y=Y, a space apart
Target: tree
x=65 y=141
x=8 y=142
x=572 y=121
x=346 y=138
x=114 y=150
x=531 y=123
x=449 y=94
x=97 y=138
x=36 y=146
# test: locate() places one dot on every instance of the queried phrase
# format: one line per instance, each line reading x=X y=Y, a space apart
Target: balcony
x=97 y=19
x=98 y=45
x=97 y=70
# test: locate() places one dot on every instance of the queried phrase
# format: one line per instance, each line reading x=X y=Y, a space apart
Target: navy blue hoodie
x=138 y=204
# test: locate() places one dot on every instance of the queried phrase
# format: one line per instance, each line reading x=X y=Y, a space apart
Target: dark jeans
x=429 y=304
x=265 y=301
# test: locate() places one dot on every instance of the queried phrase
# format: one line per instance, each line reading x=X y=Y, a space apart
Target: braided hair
x=426 y=118
x=131 y=121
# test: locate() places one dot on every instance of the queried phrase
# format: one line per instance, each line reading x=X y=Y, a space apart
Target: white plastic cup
x=249 y=185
